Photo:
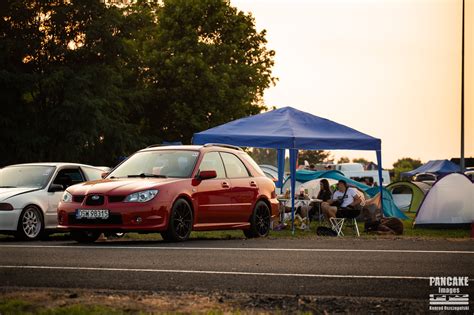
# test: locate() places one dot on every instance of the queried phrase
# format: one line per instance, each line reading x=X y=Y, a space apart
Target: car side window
x=92 y=173
x=234 y=167
x=68 y=177
x=212 y=161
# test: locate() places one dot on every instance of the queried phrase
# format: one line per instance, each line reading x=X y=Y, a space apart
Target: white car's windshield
x=160 y=163
x=25 y=176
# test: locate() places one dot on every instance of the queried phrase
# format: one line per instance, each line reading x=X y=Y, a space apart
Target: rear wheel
x=30 y=224
x=259 y=221
x=181 y=222
x=85 y=236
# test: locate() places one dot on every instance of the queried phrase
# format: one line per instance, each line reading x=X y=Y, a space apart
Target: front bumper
x=126 y=217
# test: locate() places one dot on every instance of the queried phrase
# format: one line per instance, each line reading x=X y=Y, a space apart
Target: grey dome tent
x=449 y=203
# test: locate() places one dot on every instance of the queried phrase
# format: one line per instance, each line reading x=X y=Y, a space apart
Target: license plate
x=92 y=214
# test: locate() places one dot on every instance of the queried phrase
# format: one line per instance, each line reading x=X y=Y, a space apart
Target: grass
x=409 y=231
x=16 y=306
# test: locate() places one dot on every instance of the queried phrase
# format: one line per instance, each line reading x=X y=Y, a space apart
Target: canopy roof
x=438 y=167
x=288 y=128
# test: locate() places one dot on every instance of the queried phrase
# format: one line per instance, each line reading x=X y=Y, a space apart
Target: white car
x=30 y=193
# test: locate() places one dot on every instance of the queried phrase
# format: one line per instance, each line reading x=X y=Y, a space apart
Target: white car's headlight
x=67 y=197
x=142 y=196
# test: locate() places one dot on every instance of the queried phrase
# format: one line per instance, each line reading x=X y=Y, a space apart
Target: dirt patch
x=197 y=302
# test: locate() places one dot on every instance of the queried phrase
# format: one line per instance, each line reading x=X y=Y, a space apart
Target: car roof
x=209 y=146
x=54 y=164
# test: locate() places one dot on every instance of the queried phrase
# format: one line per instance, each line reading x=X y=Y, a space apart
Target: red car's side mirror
x=207 y=174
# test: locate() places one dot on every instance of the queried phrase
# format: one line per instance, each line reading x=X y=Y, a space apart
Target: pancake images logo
x=450 y=294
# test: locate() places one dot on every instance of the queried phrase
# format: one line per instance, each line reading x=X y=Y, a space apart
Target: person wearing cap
x=343 y=199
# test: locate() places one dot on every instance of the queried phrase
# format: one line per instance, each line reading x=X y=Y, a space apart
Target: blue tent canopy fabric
x=388 y=205
x=289 y=128
x=438 y=167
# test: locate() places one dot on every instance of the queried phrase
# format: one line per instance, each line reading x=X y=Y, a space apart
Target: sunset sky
x=388 y=68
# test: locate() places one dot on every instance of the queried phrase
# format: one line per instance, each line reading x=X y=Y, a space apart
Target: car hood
x=6 y=193
x=119 y=186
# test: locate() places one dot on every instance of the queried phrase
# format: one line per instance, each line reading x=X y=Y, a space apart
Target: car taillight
x=5 y=207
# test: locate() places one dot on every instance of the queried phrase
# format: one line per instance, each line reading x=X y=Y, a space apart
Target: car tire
x=180 y=222
x=259 y=221
x=85 y=236
x=30 y=224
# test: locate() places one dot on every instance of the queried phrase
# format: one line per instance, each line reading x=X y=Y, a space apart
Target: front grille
x=116 y=198
x=79 y=199
x=114 y=218
x=95 y=200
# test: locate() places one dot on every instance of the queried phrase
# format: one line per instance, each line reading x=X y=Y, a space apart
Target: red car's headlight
x=141 y=196
x=67 y=197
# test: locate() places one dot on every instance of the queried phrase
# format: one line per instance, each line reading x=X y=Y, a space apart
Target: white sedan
x=30 y=193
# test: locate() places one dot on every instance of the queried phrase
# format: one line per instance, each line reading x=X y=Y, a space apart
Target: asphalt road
x=334 y=267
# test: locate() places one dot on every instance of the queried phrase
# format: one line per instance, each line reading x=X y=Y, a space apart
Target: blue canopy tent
x=292 y=129
x=438 y=167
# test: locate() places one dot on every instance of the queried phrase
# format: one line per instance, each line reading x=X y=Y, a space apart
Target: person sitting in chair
x=343 y=200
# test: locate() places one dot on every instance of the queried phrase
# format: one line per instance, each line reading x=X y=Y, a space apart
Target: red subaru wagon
x=173 y=190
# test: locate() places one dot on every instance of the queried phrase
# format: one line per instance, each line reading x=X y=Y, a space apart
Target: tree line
x=89 y=82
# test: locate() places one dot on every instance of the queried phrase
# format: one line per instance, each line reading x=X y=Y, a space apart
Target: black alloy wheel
x=259 y=222
x=181 y=222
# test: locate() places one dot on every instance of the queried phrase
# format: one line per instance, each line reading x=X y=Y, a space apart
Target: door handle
x=253 y=184
x=225 y=185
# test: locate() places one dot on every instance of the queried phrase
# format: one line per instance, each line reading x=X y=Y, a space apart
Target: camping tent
x=438 y=167
x=449 y=203
x=289 y=128
x=304 y=177
x=408 y=195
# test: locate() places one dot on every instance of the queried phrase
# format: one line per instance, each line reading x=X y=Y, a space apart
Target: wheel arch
x=189 y=200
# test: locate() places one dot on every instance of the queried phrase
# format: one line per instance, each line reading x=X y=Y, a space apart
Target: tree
x=343 y=159
x=263 y=156
x=312 y=156
x=404 y=165
x=86 y=82
x=63 y=78
x=361 y=161
x=208 y=65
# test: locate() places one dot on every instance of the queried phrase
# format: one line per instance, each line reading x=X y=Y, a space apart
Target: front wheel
x=181 y=222
x=30 y=224
x=85 y=236
x=259 y=221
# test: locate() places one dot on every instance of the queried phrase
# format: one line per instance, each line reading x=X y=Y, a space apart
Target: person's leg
x=328 y=211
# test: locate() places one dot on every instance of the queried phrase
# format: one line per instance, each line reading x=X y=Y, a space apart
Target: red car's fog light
x=137 y=220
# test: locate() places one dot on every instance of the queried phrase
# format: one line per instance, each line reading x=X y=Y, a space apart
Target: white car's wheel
x=30 y=224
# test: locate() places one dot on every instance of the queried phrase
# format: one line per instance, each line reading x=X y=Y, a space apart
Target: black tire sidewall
x=170 y=234
x=253 y=232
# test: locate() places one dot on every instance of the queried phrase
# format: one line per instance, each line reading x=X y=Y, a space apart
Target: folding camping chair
x=345 y=217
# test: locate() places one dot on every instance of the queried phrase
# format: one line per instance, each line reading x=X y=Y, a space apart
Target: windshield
x=162 y=163
x=25 y=176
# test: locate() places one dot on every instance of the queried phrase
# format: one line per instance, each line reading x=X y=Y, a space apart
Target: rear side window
x=234 y=167
x=68 y=177
x=92 y=173
x=212 y=162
